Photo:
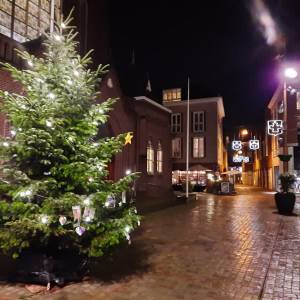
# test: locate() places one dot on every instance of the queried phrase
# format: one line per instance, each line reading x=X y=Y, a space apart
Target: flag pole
x=187 y=139
x=52 y=13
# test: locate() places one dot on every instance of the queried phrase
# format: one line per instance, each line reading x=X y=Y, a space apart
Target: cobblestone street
x=216 y=247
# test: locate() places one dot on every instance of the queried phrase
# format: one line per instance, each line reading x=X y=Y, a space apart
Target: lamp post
x=289 y=73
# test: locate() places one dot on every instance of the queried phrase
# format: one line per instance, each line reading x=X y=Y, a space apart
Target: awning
x=232 y=172
x=199 y=168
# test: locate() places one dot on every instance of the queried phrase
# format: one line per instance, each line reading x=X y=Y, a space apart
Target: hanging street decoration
x=128 y=138
x=254 y=144
x=275 y=127
x=240 y=159
x=236 y=145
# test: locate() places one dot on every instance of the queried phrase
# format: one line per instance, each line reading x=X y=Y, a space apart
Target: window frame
x=180 y=148
x=150 y=158
x=176 y=126
x=159 y=159
x=197 y=123
x=201 y=154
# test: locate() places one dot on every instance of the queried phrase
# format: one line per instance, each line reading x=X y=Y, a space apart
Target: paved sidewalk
x=217 y=247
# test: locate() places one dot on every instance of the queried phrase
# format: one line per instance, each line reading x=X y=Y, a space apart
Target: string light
x=100 y=111
x=128 y=172
x=44 y=219
x=13 y=132
x=30 y=63
x=57 y=37
x=5 y=144
x=6 y=93
x=70 y=82
x=63 y=25
x=127 y=228
x=91 y=179
x=51 y=96
x=87 y=201
x=48 y=123
x=76 y=73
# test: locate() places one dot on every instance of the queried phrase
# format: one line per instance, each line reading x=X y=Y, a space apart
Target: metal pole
x=285 y=148
x=52 y=16
x=187 y=138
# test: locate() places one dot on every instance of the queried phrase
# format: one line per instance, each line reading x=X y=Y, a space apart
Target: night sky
x=216 y=43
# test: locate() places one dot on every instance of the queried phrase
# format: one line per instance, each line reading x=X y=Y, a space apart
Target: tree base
x=44 y=270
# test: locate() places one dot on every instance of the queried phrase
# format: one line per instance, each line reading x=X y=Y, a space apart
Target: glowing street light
x=290 y=73
x=244 y=132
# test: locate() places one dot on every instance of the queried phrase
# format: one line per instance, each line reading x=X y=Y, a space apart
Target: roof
x=152 y=102
x=218 y=100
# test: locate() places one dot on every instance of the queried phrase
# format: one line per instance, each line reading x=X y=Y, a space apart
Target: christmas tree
x=54 y=187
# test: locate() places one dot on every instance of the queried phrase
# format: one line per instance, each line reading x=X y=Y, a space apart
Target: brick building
x=206 y=132
x=149 y=152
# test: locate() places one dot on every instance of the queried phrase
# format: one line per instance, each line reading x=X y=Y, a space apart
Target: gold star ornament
x=128 y=138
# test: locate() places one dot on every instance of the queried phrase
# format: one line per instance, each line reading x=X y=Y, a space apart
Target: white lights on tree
x=236 y=145
x=254 y=144
x=51 y=96
x=275 y=127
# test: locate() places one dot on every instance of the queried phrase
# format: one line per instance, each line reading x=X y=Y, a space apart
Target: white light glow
x=5 y=144
x=49 y=123
x=128 y=172
x=290 y=73
x=51 y=96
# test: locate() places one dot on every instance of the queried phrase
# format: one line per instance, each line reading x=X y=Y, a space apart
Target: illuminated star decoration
x=128 y=138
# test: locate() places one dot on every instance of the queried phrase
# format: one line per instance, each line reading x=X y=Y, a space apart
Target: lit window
x=172 y=95
x=150 y=158
x=176 y=148
x=298 y=101
x=175 y=123
x=198 y=121
x=159 y=159
x=25 y=19
x=198 y=147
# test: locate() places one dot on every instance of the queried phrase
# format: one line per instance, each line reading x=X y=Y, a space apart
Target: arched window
x=159 y=159
x=150 y=158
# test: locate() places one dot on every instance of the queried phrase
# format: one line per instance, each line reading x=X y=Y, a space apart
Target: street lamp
x=289 y=73
x=244 y=132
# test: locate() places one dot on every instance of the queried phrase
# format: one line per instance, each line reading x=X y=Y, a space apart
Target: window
x=198 y=121
x=172 y=95
x=298 y=101
x=198 y=147
x=176 y=148
x=175 y=123
x=150 y=159
x=159 y=159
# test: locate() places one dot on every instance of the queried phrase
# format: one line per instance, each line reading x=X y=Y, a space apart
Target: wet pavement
x=216 y=247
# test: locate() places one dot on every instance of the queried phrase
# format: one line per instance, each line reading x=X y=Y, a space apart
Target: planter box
x=285 y=203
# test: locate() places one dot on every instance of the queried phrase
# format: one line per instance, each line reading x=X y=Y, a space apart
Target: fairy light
x=57 y=37
x=128 y=172
x=13 y=132
x=127 y=228
x=51 y=96
x=5 y=144
x=30 y=63
x=49 y=123
x=63 y=25
x=76 y=73
x=44 y=219
x=87 y=201
x=91 y=179
x=69 y=82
